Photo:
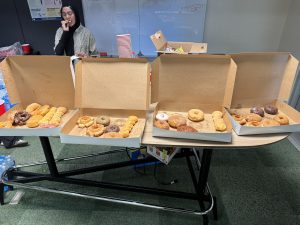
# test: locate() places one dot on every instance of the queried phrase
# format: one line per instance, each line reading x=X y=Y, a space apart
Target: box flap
x=112 y=83
x=159 y=40
x=189 y=81
x=42 y=79
x=262 y=78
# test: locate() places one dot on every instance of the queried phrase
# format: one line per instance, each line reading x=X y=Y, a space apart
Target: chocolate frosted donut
x=270 y=109
x=258 y=111
x=112 y=128
x=21 y=117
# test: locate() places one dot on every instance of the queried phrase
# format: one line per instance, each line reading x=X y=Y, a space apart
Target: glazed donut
x=220 y=124
x=270 y=109
x=34 y=121
x=21 y=118
x=95 y=130
x=253 y=117
x=112 y=128
x=240 y=119
x=282 y=119
x=133 y=119
x=104 y=120
x=254 y=123
x=176 y=121
x=195 y=115
x=112 y=135
x=85 y=121
x=258 y=111
x=270 y=123
x=217 y=115
x=32 y=107
x=161 y=124
x=162 y=116
x=185 y=128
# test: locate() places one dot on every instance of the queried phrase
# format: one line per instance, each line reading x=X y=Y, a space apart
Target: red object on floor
x=2 y=107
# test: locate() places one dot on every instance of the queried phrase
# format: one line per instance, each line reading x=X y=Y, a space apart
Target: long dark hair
x=75 y=11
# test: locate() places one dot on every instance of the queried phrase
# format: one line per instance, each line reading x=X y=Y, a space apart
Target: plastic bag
x=15 y=49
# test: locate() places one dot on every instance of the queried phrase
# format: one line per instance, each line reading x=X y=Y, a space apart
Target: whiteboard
x=179 y=20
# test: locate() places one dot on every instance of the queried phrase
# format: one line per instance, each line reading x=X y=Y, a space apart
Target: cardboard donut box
x=40 y=79
x=114 y=87
x=184 y=82
x=161 y=43
x=264 y=78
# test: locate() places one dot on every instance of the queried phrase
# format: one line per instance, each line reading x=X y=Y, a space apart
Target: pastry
x=240 y=119
x=21 y=117
x=253 y=117
x=112 y=128
x=119 y=122
x=220 y=124
x=95 y=130
x=133 y=119
x=6 y=124
x=258 y=111
x=254 y=123
x=217 y=115
x=176 y=121
x=34 y=121
x=48 y=116
x=270 y=109
x=282 y=119
x=104 y=120
x=124 y=133
x=85 y=121
x=55 y=120
x=162 y=116
x=195 y=115
x=185 y=128
x=32 y=107
x=161 y=124
x=112 y=135
x=270 y=123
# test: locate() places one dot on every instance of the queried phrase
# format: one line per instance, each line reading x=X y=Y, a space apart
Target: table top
x=237 y=141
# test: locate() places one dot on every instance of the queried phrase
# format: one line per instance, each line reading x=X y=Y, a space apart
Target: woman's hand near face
x=65 y=25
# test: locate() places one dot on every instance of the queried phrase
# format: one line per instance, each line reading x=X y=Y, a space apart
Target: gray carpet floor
x=258 y=186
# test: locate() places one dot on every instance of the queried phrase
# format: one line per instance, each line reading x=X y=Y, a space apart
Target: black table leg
x=49 y=156
x=1 y=193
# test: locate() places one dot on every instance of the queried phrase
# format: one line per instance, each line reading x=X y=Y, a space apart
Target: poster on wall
x=44 y=9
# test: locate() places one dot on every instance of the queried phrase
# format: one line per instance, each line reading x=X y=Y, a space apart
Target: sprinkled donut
x=21 y=117
x=162 y=116
x=104 y=120
x=195 y=115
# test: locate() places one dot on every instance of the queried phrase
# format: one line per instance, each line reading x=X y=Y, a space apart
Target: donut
x=185 y=128
x=217 y=115
x=258 y=111
x=253 y=117
x=282 y=119
x=176 y=121
x=254 y=123
x=112 y=135
x=161 y=124
x=32 y=107
x=95 y=130
x=195 y=115
x=220 y=124
x=270 y=123
x=270 y=109
x=133 y=119
x=104 y=120
x=162 y=116
x=240 y=119
x=21 y=118
x=34 y=121
x=119 y=122
x=112 y=128
x=85 y=121
x=6 y=124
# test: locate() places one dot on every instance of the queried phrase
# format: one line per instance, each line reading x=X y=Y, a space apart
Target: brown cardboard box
x=264 y=78
x=41 y=79
x=161 y=44
x=183 y=82
x=114 y=87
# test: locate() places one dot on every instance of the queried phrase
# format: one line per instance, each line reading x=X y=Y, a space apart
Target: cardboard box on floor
x=161 y=44
x=41 y=79
x=115 y=87
x=184 y=82
x=264 y=78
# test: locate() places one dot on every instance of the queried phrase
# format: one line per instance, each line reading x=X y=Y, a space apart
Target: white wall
x=245 y=25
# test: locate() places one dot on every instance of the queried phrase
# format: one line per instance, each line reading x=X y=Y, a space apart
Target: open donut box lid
x=41 y=79
x=264 y=78
x=161 y=44
x=114 y=87
x=184 y=82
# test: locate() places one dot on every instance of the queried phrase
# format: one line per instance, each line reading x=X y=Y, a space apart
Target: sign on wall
x=45 y=9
